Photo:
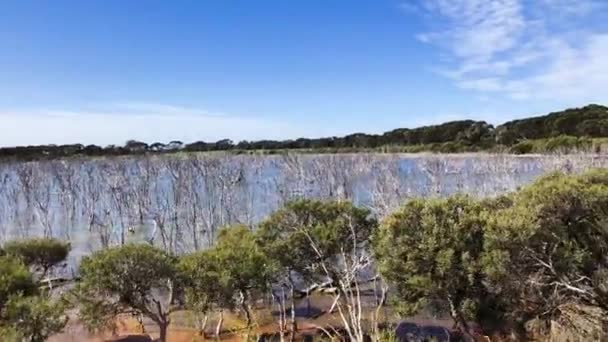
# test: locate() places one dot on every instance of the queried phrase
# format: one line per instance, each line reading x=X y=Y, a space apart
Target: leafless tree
x=42 y=192
x=66 y=176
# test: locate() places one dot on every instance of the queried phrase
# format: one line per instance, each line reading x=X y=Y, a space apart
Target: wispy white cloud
x=575 y=7
x=119 y=122
x=518 y=48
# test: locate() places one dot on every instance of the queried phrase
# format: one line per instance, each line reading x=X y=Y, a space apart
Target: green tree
x=289 y=249
x=548 y=249
x=15 y=278
x=243 y=268
x=430 y=251
x=206 y=287
x=322 y=241
x=40 y=254
x=24 y=314
x=34 y=318
x=130 y=278
x=10 y=334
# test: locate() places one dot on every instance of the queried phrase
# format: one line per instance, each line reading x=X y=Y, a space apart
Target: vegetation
x=522 y=136
x=546 y=254
x=14 y=279
x=26 y=313
x=136 y=279
x=34 y=318
x=40 y=254
x=528 y=264
x=205 y=288
x=431 y=251
x=321 y=242
x=244 y=269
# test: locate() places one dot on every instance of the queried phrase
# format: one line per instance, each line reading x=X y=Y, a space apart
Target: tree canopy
x=430 y=250
x=456 y=136
x=548 y=250
x=26 y=313
x=40 y=254
x=135 y=277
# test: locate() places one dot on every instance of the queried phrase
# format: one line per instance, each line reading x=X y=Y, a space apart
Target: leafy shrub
x=41 y=254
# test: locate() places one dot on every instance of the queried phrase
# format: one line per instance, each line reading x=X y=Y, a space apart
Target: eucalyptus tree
x=33 y=318
x=547 y=251
x=67 y=175
x=203 y=170
x=23 y=189
x=435 y=168
x=322 y=242
x=42 y=195
x=430 y=252
x=206 y=288
x=26 y=314
x=40 y=254
x=387 y=189
x=243 y=267
x=142 y=187
x=15 y=279
x=96 y=210
x=138 y=279
x=176 y=191
x=115 y=177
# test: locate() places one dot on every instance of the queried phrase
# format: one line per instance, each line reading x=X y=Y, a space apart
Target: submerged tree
x=132 y=278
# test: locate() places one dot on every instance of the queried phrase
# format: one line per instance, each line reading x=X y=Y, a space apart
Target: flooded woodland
x=179 y=201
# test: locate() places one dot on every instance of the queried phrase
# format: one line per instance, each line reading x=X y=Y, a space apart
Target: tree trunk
x=203 y=325
x=294 y=324
x=281 y=305
x=459 y=320
x=245 y=307
x=248 y=316
x=218 y=327
x=163 y=331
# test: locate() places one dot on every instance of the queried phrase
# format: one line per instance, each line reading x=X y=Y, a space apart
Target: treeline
x=458 y=136
x=528 y=265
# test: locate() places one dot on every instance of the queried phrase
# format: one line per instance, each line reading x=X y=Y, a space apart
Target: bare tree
x=67 y=179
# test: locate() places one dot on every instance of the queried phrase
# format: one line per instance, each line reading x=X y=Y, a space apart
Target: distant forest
x=572 y=130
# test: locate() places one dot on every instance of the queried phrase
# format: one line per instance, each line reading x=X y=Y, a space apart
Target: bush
x=523 y=147
x=14 y=278
x=41 y=254
x=34 y=318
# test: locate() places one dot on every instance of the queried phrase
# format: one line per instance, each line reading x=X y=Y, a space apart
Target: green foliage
x=205 y=284
x=430 y=252
x=523 y=147
x=23 y=314
x=549 y=248
x=243 y=265
x=591 y=121
x=130 y=277
x=10 y=334
x=450 y=137
x=41 y=254
x=34 y=318
x=15 y=278
x=558 y=144
x=289 y=234
x=241 y=269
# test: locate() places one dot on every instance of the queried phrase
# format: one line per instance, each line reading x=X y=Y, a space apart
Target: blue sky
x=107 y=71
